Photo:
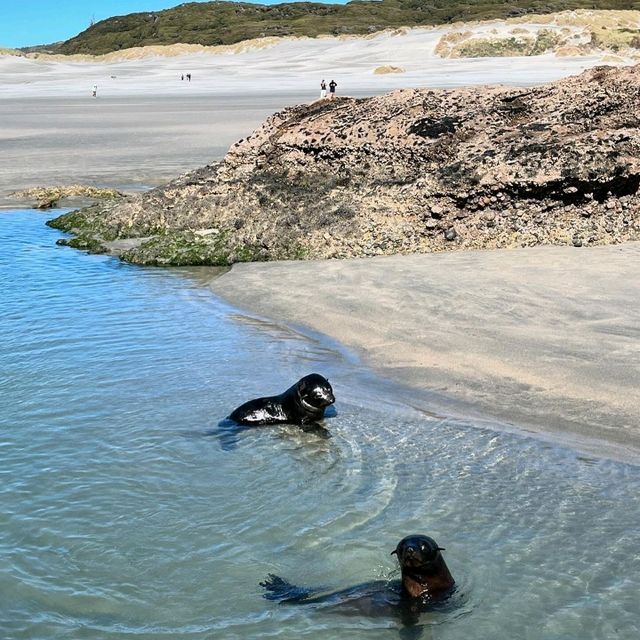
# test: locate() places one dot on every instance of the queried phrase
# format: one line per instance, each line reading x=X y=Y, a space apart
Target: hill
x=216 y=23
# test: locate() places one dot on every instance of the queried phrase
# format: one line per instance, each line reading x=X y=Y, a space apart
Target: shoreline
x=540 y=341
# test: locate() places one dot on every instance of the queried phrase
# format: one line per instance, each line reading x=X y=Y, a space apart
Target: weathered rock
x=395 y=173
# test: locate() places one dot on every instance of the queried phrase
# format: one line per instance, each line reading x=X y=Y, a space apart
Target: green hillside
x=214 y=23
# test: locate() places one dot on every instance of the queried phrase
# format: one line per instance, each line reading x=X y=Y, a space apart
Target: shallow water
x=121 y=518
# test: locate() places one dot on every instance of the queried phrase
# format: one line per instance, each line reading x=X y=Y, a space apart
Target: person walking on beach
x=332 y=89
x=94 y=91
x=189 y=77
x=323 y=90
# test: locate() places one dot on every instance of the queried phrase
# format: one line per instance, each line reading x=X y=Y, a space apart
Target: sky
x=24 y=23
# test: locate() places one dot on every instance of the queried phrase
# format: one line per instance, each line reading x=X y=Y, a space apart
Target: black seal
x=425 y=584
x=303 y=403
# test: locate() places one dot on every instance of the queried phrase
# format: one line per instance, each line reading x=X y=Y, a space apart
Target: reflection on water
x=122 y=519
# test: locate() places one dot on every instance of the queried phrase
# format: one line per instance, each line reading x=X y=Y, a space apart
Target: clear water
x=121 y=519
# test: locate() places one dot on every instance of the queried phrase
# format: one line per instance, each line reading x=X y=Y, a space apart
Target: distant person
x=189 y=77
x=323 y=90
x=182 y=77
x=332 y=89
x=94 y=91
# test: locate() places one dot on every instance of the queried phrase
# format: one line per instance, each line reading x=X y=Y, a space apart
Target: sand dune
x=274 y=65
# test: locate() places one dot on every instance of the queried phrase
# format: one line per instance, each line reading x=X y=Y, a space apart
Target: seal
x=425 y=583
x=303 y=403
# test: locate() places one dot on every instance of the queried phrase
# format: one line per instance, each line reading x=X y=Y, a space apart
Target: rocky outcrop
x=410 y=171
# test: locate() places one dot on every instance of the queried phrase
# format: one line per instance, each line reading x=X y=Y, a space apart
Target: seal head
x=315 y=393
x=425 y=574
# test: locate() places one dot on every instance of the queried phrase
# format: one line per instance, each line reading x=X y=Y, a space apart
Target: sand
x=282 y=65
x=544 y=339
x=128 y=143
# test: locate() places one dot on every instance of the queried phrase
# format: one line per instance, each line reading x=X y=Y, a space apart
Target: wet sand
x=128 y=143
x=146 y=125
x=544 y=339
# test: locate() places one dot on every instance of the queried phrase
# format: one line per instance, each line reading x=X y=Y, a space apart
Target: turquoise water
x=120 y=518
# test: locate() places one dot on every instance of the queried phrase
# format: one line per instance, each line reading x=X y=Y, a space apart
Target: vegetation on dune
x=513 y=45
x=217 y=23
x=570 y=33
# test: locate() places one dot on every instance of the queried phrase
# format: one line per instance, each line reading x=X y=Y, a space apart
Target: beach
x=130 y=143
x=543 y=339
x=488 y=399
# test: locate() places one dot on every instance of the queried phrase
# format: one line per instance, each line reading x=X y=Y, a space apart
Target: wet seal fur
x=303 y=404
x=426 y=584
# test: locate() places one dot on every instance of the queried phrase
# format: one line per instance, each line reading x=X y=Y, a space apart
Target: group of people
x=187 y=76
x=332 y=89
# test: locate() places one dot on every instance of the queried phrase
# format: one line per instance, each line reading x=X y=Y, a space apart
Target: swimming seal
x=425 y=582
x=303 y=403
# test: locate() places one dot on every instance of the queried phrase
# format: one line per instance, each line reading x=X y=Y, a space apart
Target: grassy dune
x=226 y=23
x=567 y=33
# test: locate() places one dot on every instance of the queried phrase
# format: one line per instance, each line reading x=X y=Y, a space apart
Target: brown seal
x=425 y=582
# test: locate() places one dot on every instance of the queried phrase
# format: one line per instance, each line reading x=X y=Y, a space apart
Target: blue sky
x=29 y=22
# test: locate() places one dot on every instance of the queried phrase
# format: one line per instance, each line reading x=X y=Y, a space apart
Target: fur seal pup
x=425 y=583
x=303 y=403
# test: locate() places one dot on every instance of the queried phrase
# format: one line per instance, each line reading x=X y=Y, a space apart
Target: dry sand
x=546 y=339
x=288 y=64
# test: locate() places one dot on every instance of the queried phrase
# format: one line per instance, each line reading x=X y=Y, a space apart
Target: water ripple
x=122 y=519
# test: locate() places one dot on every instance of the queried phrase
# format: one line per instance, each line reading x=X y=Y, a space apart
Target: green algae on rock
x=210 y=248
x=84 y=243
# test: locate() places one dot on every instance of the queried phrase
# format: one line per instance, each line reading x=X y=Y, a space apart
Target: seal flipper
x=281 y=590
x=410 y=618
x=411 y=632
x=317 y=429
x=227 y=434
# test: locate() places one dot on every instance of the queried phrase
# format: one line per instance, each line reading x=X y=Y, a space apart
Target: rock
x=353 y=177
x=436 y=211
